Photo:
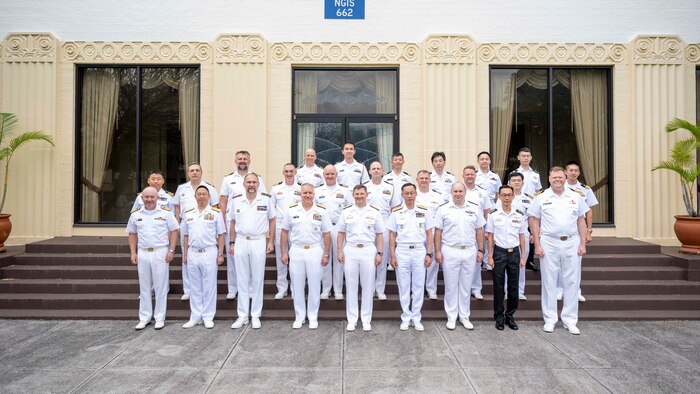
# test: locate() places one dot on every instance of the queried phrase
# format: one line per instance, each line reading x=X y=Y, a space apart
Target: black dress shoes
x=532 y=267
x=499 y=324
x=511 y=324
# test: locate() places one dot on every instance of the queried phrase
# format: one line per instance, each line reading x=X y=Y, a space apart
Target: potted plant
x=8 y=123
x=684 y=162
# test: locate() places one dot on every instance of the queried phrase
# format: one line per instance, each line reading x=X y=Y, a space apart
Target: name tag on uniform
x=420 y=214
x=159 y=218
x=339 y=195
x=262 y=207
x=386 y=191
x=358 y=170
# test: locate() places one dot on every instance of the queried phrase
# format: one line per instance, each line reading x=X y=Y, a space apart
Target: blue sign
x=345 y=9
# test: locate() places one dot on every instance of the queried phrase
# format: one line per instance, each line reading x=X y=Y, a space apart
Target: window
x=332 y=106
x=131 y=120
x=561 y=114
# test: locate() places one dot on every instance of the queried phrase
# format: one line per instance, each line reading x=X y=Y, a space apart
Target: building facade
x=121 y=98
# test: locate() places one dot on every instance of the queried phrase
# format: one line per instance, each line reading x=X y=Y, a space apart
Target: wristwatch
x=232 y=242
x=590 y=230
x=171 y=250
x=379 y=253
x=480 y=250
x=429 y=254
x=326 y=255
x=221 y=255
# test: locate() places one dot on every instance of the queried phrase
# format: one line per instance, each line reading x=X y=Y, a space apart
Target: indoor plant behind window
x=683 y=161
x=8 y=122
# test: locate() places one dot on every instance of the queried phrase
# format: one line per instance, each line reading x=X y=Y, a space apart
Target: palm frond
x=8 y=122
x=24 y=138
x=678 y=123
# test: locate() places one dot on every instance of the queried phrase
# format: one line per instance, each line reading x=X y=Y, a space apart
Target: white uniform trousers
x=203 y=270
x=458 y=267
x=185 y=276
x=431 y=277
x=154 y=274
x=476 y=285
x=380 y=285
x=333 y=271
x=282 y=269
x=410 y=276
x=230 y=265
x=560 y=256
x=249 y=256
x=521 y=277
x=305 y=265
x=359 y=270
x=560 y=282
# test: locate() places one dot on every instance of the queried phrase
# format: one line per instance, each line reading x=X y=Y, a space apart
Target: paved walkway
x=109 y=356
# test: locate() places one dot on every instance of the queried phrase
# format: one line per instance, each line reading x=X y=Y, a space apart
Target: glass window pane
x=345 y=92
x=325 y=138
x=373 y=141
x=169 y=122
x=108 y=144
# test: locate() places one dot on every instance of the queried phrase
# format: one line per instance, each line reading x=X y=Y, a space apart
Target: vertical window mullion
x=138 y=128
x=550 y=120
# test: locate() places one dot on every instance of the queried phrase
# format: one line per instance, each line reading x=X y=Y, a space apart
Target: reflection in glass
x=326 y=138
x=373 y=142
x=345 y=92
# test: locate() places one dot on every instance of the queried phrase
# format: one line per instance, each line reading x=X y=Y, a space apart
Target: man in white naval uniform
x=431 y=199
x=475 y=195
x=411 y=249
x=283 y=195
x=559 y=228
x=152 y=238
x=440 y=180
x=306 y=228
x=360 y=244
x=573 y=171
x=531 y=185
x=232 y=185
x=184 y=201
x=203 y=229
x=350 y=171
x=381 y=195
x=397 y=177
x=458 y=235
x=252 y=217
x=489 y=181
x=165 y=198
x=521 y=202
x=334 y=197
x=310 y=172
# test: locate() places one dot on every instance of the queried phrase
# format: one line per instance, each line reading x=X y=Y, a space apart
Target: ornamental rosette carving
x=30 y=47
x=136 y=51
x=363 y=52
x=692 y=53
x=449 y=49
x=552 y=53
x=658 y=50
x=240 y=48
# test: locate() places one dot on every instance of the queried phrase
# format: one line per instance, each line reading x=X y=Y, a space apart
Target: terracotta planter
x=687 y=229
x=5 y=229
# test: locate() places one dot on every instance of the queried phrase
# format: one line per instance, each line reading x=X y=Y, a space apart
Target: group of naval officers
x=345 y=225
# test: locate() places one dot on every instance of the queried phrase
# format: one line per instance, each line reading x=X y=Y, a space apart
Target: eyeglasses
x=506 y=195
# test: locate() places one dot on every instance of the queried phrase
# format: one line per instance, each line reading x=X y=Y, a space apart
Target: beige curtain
x=99 y=117
x=503 y=85
x=385 y=90
x=188 y=91
x=589 y=102
x=305 y=103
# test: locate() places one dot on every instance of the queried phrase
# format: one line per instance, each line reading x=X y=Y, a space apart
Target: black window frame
x=79 y=72
x=550 y=123
x=345 y=119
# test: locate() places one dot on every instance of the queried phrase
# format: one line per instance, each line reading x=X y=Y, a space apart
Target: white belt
x=153 y=249
x=305 y=246
x=201 y=250
x=359 y=245
x=462 y=247
x=250 y=237
x=560 y=237
x=410 y=246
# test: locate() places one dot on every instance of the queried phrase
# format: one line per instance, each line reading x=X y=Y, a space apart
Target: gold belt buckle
x=307 y=247
x=247 y=237
x=360 y=246
x=462 y=247
x=563 y=238
x=510 y=250
x=150 y=249
x=411 y=246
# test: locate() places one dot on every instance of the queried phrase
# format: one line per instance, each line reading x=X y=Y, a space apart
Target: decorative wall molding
x=552 y=53
x=356 y=53
x=692 y=53
x=30 y=47
x=449 y=49
x=240 y=48
x=136 y=51
x=657 y=50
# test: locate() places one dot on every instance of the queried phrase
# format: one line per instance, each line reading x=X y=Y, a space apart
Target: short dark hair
x=436 y=155
x=483 y=152
x=515 y=174
x=524 y=149
x=572 y=163
x=408 y=184
x=348 y=143
x=155 y=172
x=202 y=187
x=423 y=171
x=505 y=187
x=358 y=187
x=242 y=152
x=397 y=154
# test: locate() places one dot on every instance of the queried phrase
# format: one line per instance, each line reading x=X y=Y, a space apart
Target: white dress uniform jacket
x=442 y=183
x=531 y=180
x=312 y=175
x=165 y=199
x=488 y=181
x=352 y=174
x=283 y=196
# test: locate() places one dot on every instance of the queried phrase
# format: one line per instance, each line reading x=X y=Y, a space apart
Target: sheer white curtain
x=589 y=101
x=188 y=91
x=503 y=86
x=385 y=89
x=305 y=102
x=99 y=117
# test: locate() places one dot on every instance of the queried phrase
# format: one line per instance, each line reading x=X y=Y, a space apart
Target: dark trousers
x=510 y=263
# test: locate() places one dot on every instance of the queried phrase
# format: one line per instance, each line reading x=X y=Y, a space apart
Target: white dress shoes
x=477 y=295
x=159 y=325
x=209 y=324
x=339 y=297
x=255 y=323
x=548 y=327
x=297 y=324
x=231 y=296
x=324 y=296
x=467 y=324
x=185 y=297
x=573 y=330
x=141 y=325
x=350 y=327
x=381 y=296
x=451 y=324
x=313 y=325
x=418 y=326
x=191 y=323
x=280 y=295
x=366 y=327
x=404 y=325
x=240 y=322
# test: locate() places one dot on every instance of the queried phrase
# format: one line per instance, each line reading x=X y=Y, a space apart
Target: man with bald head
x=152 y=233
x=334 y=197
x=310 y=172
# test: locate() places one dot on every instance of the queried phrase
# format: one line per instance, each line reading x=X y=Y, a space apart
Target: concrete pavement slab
x=277 y=345
x=80 y=344
x=278 y=380
x=388 y=347
x=407 y=380
x=681 y=337
x=149 y=380
x=617 y=380
x=15 y=333
x=42 y=380
x=486 y=347
x=538 y=380
x=174 y=346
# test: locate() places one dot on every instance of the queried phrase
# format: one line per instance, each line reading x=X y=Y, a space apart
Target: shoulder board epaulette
x=529 y=195
x=537 y=193
x=534 y=170
x=494 y=210
x=190 y=210
x=215 y=209
x=231 y=173
x=404 y=172
x=372 y=206
x=585 y=186
x=421 y=206
x=237 y=195
x=341 y=185
x=436 y=191
x=320 y=206
x=209 y=184
x=448 y=172
x=472 y=202
x=170 y=193
x=163 y=207
x=293 y=205
x=135 y=209
x=446 y=202
x=278 y=183
x=266 y=195
x=387 y=182
x=480 y=187
x=396 y=208
x=347 y=206
x=367 y=181
x=138 y=194
x=520 y=212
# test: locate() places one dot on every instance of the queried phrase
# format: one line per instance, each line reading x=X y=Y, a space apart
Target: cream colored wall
x=444 y=105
